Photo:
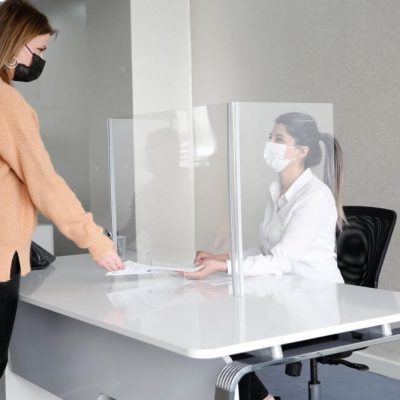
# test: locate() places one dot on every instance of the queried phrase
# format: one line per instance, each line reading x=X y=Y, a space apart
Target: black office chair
x=361 y=250
x=362 y=244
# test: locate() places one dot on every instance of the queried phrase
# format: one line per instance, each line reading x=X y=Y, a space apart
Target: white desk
x=79 y=333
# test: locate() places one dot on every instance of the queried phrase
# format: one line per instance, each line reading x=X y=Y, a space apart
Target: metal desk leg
x=229 y=378
x=231 y=374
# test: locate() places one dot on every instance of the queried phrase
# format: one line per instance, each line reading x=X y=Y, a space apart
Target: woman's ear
x=303 y=151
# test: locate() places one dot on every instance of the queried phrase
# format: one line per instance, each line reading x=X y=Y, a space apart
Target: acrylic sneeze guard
x=168 y=179
x=189 y=180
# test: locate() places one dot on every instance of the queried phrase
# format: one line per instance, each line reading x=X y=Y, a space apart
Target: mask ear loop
x=12 y=65
x=33 y=54
x=29 y=49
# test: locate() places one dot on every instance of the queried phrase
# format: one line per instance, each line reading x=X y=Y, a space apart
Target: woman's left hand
x=209 y=267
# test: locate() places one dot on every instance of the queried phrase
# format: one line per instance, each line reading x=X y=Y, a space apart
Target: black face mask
x=24 y=73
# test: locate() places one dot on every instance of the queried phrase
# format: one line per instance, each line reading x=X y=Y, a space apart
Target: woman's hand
x=209 y=267
x=110 y=261
x=202 y=256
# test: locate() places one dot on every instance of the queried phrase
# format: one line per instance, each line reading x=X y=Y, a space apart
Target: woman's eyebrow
x=278 y=135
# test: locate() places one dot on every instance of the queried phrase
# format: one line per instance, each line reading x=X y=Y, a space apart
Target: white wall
x=161 y=61
x=341 y=52
x=109 y=90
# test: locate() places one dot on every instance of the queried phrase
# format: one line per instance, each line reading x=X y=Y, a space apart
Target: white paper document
x=134 y=268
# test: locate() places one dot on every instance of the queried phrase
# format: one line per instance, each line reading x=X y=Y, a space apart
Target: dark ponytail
x=304 y=130
x=333 y=173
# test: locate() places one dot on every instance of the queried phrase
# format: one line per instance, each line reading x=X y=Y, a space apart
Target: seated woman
x=298 y=234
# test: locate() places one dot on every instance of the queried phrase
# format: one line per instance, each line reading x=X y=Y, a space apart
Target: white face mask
x=274 y=155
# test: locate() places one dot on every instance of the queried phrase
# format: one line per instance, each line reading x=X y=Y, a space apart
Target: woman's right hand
x=110 y=261
x=202 y=255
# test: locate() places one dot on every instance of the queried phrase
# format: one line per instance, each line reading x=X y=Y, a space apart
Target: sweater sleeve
x=23 y=150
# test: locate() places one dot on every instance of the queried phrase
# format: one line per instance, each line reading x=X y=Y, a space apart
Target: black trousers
x=250 y=386
x=9 y=292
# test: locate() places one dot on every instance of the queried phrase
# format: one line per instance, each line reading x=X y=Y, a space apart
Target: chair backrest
x=362 y=244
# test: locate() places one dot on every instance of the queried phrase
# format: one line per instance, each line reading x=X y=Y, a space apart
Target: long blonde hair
x=20 y=22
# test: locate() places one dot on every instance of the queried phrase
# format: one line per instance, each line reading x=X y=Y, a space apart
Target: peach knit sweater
x=28 y=182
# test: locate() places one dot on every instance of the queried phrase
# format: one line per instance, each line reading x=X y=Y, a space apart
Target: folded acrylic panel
x=189 y=180
x=210 y=158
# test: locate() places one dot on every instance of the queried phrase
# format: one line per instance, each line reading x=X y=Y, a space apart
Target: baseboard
x=378 y=365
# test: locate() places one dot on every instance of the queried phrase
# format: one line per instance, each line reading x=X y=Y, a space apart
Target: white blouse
x=298 y=234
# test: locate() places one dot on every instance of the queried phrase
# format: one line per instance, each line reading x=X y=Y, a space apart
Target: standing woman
x=28 y=181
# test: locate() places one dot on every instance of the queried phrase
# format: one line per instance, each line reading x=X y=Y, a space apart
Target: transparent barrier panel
x=169 y=185
x=165 y=214
x=210 y=128
x=180 y=165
